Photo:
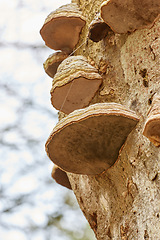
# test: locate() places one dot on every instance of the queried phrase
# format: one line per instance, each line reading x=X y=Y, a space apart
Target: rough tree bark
x=124 y=202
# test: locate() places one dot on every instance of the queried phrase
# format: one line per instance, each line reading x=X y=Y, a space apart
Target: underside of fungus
x=62 y=28
x=60 y=177
x=98 y=29
x=52 y=63
x=152 y=125
x=88 y=140
x=75 y=84
x=127 y=15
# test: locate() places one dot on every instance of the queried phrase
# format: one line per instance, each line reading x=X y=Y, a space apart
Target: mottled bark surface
x=124 y=202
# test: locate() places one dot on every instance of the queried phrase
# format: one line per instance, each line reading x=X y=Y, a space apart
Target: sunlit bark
x=124 y=202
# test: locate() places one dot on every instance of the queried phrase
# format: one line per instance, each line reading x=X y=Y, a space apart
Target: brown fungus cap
x=88 y=140
x=98 y=29
x=152 y=125
x=52 y=63
x=127 y=15
x=60 y=177
x=75 y=84
x=62 y=28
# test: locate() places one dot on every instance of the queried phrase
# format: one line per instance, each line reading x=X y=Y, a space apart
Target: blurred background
x=32 y=205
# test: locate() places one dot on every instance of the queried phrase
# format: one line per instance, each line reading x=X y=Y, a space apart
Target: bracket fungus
x=75 y=84
x=88 y=141
x=98 y=29
x=127 y=16
x=52 y=63
x=152 y=125
x=62 y=28
x=60 y=177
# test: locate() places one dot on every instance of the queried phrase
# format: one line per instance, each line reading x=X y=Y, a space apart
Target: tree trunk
x=124 y=201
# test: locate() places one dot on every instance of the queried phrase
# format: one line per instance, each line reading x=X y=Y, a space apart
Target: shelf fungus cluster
x=90 y=138
x=152 y=125
x=75 y=84
x=88 y=141
x=60 y=177
x=127 y=16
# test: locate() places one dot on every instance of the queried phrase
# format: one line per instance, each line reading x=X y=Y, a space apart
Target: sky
x=26 y=120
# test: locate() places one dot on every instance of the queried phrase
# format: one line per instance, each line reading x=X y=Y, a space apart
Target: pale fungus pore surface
x=88 y=140
x=62 y=28
x=52 y=63
x=98 y=29
x=75 y=84
x=60 y=177
x=127 y=15
x=152 y=125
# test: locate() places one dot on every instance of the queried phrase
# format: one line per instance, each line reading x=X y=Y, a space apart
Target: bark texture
x=124 y=202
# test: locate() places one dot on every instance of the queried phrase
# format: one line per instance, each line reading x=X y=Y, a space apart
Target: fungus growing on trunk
x=52 y=63
x=152 y=125
x=98 y=29
x=60 y=177
x=88 y=141
x=127 y=16
x=62 y=28
x=75 y=84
